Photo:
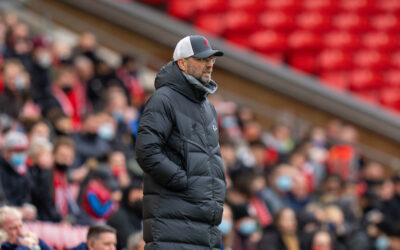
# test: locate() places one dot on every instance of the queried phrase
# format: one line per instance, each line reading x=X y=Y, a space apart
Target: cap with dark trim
x=195 y=46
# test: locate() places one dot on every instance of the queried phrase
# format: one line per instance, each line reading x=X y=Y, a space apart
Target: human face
x=64 y=155
x=200 y=68
x=105 y=241
x=287 y=221
x=12 y=226
x=322 y=241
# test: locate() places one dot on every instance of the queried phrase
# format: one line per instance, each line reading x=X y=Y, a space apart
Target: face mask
x=382 y=243
x=18 y=159
x=66 y=89
x=44 y=60
x=20 y=82
x=284 y=183
x=106 y=131
x=248 y=227
x=225 y=226
x=118 y=116
x=137 y=208
x=61 y=167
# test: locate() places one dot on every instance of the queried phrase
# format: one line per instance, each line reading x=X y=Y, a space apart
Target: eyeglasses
x=211 y=59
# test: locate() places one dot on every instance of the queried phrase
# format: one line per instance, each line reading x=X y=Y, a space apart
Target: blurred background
x=308 y=107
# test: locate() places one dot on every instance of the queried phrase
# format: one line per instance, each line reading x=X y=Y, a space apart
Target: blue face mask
x=284 y=183
x=106 y=131
x=18 y=159
x=248 y=227
x=225 y=226
x=20 y=82
x=382 y=243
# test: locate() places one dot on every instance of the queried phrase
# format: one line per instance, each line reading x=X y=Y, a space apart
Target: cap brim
x=209 y=53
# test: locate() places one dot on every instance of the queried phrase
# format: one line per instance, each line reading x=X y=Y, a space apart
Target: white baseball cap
x=195 y=46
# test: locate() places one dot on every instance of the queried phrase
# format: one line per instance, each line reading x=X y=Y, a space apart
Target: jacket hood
x=170 y=75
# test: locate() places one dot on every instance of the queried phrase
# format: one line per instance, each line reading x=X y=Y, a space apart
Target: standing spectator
x=11 y=224
x=322 y=240
x=128 y=217
x=19 y=44
x=16 y=85
x=14 y=180
x=178 y=149
x=99 y=238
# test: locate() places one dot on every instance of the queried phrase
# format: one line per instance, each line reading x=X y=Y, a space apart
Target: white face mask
x=44 y=59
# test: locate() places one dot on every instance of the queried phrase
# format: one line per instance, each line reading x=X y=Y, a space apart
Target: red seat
x=304 y=40
x=395 y=59
x=336 y=80
x=390 y=97
x=268 y=42
x=351 y=22
x=212 y=23
x=238 y=39
x=321 y=6
x=210 y=6
x=342 y=40
x=332 y=59
x=392 y=78
x=284 y=5
x=380 y=41
x=361 y=6
x=389 y=6
x=304 y=61
x=362 y=80
x=181 y=9
x=313 y=21
x=386 y=22
x=371 y=59
x=277 y=20
x=247 y=5
x=240 y=21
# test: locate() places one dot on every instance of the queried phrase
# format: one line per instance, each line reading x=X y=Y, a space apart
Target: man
x=177 y=147
x=13 y=173
x=99 y=238
x=11 y=224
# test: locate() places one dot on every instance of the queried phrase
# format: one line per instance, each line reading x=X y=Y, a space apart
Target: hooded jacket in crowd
x=184 y=181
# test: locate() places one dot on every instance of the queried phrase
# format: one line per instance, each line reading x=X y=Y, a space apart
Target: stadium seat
x=313 y=21
x=277 y=20
x=389 y=6
x=210 y=6
x=371 y=97
x=268 y=41
x=350 y=22
x=360 y=6
x=304 y=40
x=380 y=41
x=333 y=59
x=254 y=6
x=303 y=61
x=284 y=5
x=181 y=9
x=386 y=22
x=321 y=6
x=390 y=97
x=336 y=80
x=342 y=40
x=238 y=39
x=371 y=59
x=364 y=80
x=395 y=59
x=211 y=23
x=240 y=22
x=392 y=78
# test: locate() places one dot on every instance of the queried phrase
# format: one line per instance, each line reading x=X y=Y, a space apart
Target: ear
x=182 y=64
x=90 y=244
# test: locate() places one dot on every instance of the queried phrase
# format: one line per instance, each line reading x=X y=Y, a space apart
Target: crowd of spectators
x=68 y=124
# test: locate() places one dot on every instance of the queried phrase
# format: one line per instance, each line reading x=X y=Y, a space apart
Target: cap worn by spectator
x=15 y=140
x=195 y=46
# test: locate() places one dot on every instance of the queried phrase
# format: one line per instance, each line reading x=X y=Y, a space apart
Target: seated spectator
x=88 y=143
x=117 y=163
x=128 y=217
x=99 y=238
x=322 y=240
x=11 y=223
x=16 y=86
x=61 y=123
x=14 y=180
x=283 y=235
x=99 y=198
x=19 y=44
x=135 y=241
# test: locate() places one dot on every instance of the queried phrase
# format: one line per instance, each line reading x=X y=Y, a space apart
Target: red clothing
x=103 y=195
x=60 y=184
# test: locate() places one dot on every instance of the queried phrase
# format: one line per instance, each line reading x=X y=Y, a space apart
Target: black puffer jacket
x=184 y=182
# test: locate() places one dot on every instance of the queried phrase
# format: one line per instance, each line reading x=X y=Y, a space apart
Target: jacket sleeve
x=154 y=129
